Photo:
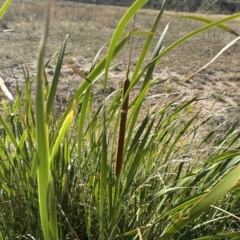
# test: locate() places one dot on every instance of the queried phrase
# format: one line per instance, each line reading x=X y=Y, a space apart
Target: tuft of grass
x=110 y=168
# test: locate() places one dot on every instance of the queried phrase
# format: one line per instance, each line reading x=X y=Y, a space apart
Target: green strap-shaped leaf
x=53 y=89
x=61 y=134
x=206 y=20
x=103 y=182
x=231 y=235
x=118 y=31
x=42 y=144
x=4 y=8
x=82 y=119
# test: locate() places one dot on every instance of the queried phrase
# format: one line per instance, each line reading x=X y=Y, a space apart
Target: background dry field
x=90 y=26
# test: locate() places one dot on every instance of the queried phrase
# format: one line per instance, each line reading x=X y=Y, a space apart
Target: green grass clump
x=111 y=170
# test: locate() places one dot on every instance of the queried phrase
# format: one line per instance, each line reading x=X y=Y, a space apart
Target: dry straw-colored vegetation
x=90 y=26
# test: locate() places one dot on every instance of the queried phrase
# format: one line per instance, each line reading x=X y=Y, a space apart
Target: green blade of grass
x=53 y=220
x=155 y=53
x=232 y=235
x=53 y=89
x=134 y=114
x=97 y=56
x=9 y=132
x=148 y=41
x=205 y=20
x=60 y=134
x=118 y=31
x=82 y=119
x=103 y=183
x=42 y=147
x=42 y=142
x=4 y=7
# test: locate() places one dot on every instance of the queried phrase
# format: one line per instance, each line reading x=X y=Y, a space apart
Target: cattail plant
x=122 y=126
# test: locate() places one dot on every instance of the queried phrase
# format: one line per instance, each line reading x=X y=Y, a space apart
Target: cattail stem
x=122 y=128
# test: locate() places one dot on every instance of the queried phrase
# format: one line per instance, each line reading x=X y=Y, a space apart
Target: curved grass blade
x=97 y=56
x=4 y=8
x=9 y=132
x=155 y=53
x=118 y=31
x=61 y=133
x=103 y=182
x=42 y=142
x=134 y=114
x=231 y=235
x=82 y=119
x=42 y=150
x=205 y=20
x=53 y=220
x=53 y=88
x=148 y=41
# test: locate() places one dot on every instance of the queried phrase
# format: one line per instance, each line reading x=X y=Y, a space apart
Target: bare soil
x=90 y=26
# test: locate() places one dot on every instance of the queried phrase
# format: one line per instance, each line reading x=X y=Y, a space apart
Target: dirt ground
x=90 y=27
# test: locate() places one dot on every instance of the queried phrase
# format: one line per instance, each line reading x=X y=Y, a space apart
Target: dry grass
x=90 y=26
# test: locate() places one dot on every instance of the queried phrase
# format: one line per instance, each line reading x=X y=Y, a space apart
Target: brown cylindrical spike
x=122 y=128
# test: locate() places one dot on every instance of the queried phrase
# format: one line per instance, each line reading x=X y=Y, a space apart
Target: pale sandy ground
x=217 y=85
